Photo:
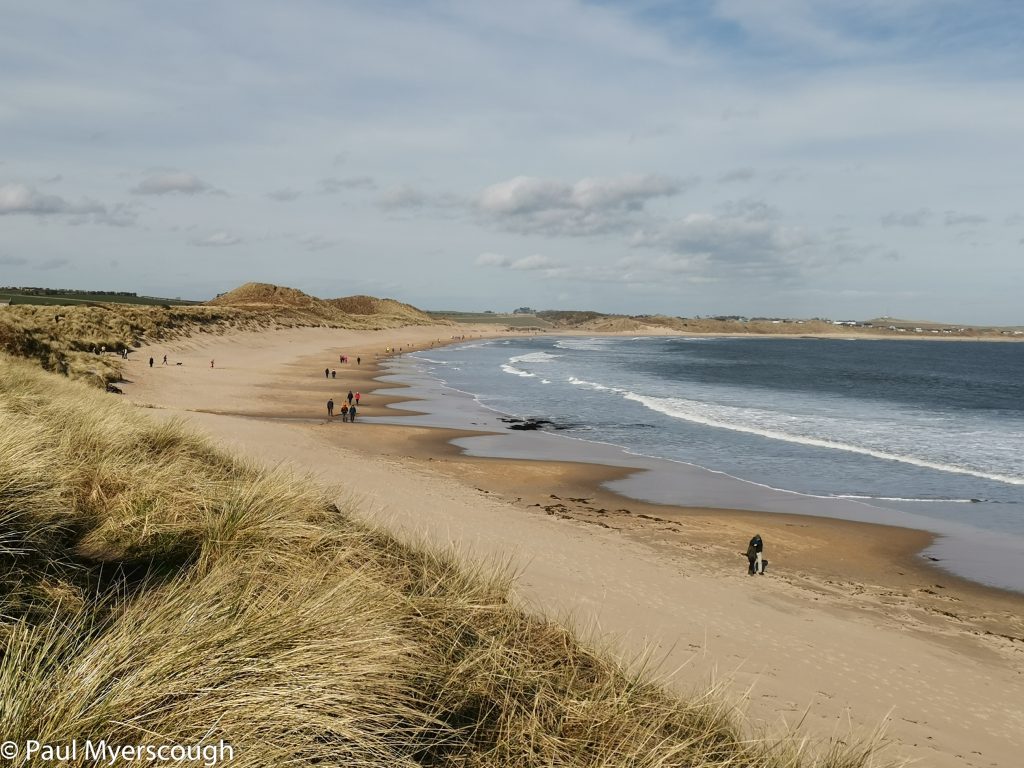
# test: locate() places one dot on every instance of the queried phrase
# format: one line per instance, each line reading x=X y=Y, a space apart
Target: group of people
x=348 y=409
x=344 y=359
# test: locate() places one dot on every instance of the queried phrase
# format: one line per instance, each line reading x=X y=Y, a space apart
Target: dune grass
x=67 y=340
x=156 y=590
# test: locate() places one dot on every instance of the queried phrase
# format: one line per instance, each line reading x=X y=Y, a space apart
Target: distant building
x=524 y=311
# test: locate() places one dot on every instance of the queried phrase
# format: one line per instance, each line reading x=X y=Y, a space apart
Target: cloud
x=739 y=174
x=750 y=209
x=403 y=196
x=173 y=182
x=916 y=218
x=492 y=260
x=49 y=264
x=24 y=199
x=284 y=195
x=332 y=186
x=954 y=219
x=532 y=262
x=589 y=206
x=219 y=239
x=733 y=244
x=12 y=261
x=117 y=215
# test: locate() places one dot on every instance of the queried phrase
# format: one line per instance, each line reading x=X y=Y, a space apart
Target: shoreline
x=846 y=635
x=953 y=550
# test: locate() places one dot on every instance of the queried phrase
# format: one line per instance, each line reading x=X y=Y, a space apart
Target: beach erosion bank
x=848 y=627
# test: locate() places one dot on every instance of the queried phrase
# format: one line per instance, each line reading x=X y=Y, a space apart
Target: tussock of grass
x=155 y=590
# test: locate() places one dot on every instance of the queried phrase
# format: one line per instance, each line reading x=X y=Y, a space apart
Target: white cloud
x=24 y=199
x=589 y=206
x=12 y=261
x=172 y=182
x=219 y=239
x=529 y=263
x=493 y=260
x=739 y=246
x=534 y=261
x=403 y=196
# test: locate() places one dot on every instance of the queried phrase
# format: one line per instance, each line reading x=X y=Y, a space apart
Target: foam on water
x=517 y=371
x=750 y=420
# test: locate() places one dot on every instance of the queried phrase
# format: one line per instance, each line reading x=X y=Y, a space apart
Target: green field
x=514 y=321
x=82 y=297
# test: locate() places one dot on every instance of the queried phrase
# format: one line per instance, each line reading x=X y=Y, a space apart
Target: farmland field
x=83 y=297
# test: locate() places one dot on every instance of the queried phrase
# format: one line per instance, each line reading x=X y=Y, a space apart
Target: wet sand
x=849 y=627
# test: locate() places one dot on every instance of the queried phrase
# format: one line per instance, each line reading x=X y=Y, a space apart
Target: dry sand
x=850 y=629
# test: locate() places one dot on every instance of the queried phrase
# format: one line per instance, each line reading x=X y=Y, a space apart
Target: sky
x=793 y=158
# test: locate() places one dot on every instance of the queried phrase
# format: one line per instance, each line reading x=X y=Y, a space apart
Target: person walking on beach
x=352 y=414
x=151 y=362
x=344 y=412
x=327 y=373
x=359 y=361
x=330 y=408
x=165 y=359
x=350 y=397
x=357 y=398
x=754 y=558
x=334 y=374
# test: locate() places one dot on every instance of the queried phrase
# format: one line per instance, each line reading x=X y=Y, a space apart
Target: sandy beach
x=850 y=631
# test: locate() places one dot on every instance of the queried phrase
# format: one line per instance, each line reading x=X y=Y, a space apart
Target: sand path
x=828 y=656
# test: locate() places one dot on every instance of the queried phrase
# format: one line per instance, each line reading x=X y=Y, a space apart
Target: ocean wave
x=429 y=360
x=594 y=385
x=517 y=371
x=534 y=357
x=698 y=413
x=585 y=345
x=863 y=497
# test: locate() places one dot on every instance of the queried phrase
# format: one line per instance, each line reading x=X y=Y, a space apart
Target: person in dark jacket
x=754 y=561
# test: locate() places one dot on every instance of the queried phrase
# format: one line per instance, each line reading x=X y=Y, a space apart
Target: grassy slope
x=62 y=340
x=153 y=585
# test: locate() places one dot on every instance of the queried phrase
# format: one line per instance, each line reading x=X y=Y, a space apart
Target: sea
x=920 y=433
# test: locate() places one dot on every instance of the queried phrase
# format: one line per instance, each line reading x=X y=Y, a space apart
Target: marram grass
x=156 y=590
x=66 y=339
